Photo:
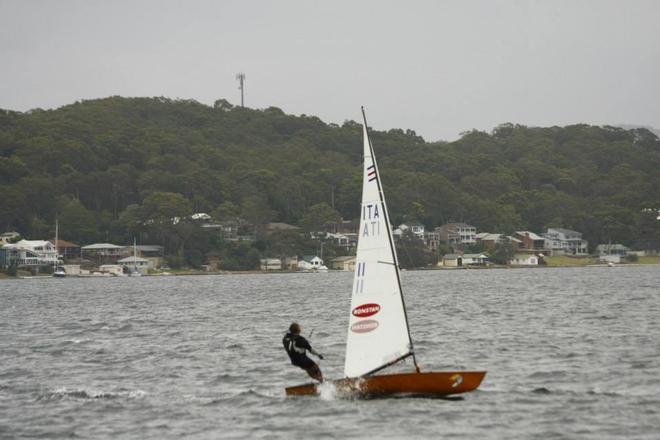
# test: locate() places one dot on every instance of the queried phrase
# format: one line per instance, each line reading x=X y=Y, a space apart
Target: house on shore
x=29 y=253
x=290 y=263
x=346 y=263
x=344 y=241
x=463 y=260
x=8 y=237
x=432 y=240
x=271 y=264
x=457 y=234
x=565 y=241
x=153 y=253
x=524 y=260
x=452 y=260
x=102 y=253
x=491 y=241
x=416 y=229
x=474 y=259
x=311 y=262
x=529 y=241
x=141 y=264
x=67 y=249
x=612 y=253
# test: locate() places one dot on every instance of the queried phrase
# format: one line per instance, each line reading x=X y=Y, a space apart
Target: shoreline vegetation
x=197 y=179
x=551 y=263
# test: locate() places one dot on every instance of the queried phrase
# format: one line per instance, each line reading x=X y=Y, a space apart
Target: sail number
x=371 y=219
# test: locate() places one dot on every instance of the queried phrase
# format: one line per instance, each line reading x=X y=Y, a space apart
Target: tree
x=317 y=216
x=76 y=221
x=412 y=252
x=503 y=253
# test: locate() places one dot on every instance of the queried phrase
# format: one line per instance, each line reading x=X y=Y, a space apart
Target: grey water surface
x=570 y=353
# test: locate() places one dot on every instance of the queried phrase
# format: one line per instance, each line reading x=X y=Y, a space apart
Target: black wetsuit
x=296 y=347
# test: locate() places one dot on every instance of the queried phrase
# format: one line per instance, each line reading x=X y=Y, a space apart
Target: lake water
x=570 y=353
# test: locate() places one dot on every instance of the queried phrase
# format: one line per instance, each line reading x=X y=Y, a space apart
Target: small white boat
x=58 y=272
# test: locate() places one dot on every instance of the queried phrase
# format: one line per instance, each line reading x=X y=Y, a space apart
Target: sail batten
x=378 y=333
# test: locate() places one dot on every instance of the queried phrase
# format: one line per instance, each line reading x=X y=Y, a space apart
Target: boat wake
x=327 y=391
x=65 y=393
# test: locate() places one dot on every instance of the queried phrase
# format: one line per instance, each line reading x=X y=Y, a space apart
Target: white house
x=341 y=240
x=31 y=253
x=141 y=264
x=417 y=230
x=474 y=259
x=524 y=260
x=310 y=262
x=6 y=237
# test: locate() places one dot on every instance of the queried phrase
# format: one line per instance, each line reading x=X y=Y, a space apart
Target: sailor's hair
x=294 y=328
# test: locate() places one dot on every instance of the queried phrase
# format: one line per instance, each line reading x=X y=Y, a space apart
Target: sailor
x=296 y=347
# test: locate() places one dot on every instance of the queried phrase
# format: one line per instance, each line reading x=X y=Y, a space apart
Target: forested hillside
x=113 y=168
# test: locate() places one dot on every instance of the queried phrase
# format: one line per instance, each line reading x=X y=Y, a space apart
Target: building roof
x=101 y=246
x=28 y=244
x=451 y=256
x=64 y=244
x=475 y=256
x=487 y=236
x=565 y=231
x=309 y=258
x=132 y=259
x=149 y=248
x=530 y=234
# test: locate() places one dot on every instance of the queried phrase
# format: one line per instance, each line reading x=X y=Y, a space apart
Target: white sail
x=378 y=329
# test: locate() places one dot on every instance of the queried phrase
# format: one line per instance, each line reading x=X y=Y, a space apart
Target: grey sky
x=437 y=67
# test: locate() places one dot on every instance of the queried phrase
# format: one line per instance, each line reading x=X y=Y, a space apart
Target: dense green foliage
x=113 y=168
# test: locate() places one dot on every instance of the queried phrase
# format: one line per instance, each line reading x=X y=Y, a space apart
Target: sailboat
x=58 y=271
x=378 y=332
x=134 y=272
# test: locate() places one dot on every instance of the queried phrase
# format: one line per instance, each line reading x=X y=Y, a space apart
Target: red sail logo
x=366 y=310
x=364 y=326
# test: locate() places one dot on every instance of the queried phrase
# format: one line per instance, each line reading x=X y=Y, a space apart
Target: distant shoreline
x=283 y=272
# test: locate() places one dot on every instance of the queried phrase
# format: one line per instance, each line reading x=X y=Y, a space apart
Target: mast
x=392 y=249
x=57 y=251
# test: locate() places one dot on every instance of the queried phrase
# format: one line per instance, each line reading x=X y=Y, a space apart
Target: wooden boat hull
x=426 y=384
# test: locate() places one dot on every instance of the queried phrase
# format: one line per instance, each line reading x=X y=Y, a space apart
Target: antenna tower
x=241 y=80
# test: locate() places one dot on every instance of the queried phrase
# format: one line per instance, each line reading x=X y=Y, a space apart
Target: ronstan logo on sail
x=366 y=310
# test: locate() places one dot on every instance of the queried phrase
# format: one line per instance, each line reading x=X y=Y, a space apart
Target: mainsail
x=378 y=333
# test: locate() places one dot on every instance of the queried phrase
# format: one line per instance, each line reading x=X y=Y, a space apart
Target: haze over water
x=570 y=353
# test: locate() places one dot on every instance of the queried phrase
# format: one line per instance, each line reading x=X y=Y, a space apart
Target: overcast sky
x=436 y=67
